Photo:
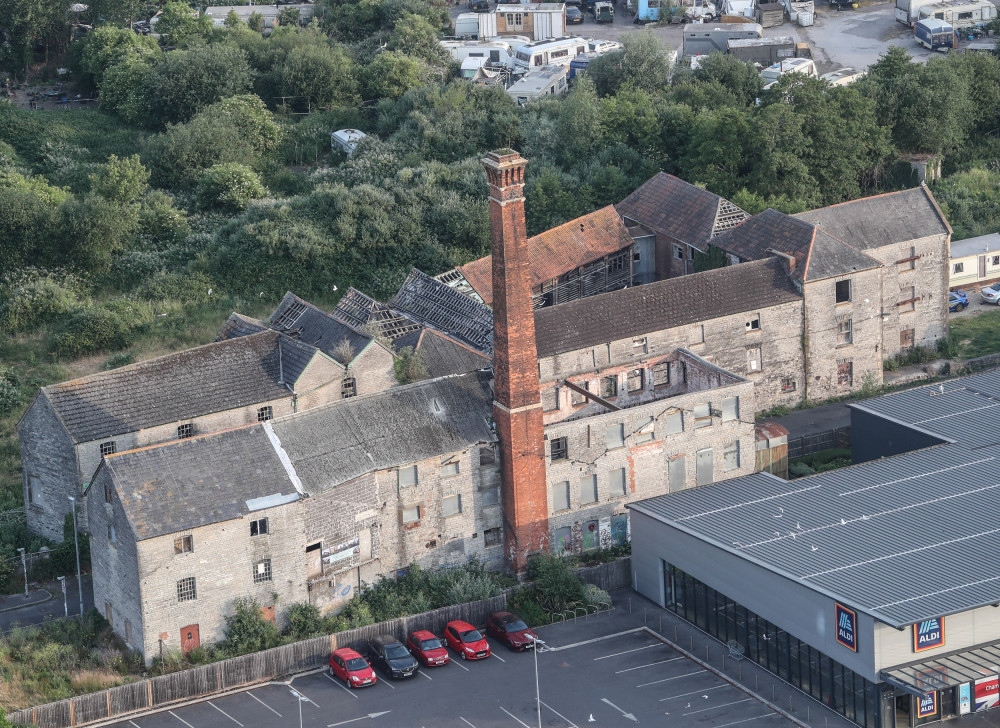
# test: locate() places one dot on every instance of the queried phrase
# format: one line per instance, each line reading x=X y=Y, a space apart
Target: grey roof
x=662 y=305
x=863 y=534
x=199 y=481
x=971 y=246
x=302 y=320
x=444 y=356
x=213 y=378
x=239 y=325
x=335 y=443
x=872 y=222
x=433 y=303
x=360 y=310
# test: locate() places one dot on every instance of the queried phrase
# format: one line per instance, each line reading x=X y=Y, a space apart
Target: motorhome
x=907 y=11
x=579 y=64
x=842 y=76
x=934 y=34
x=558 y=51
x=539 y=83
x=704 y=38
x=346 y=140
x=959 y=14
x=804 y=66
x=495 y=50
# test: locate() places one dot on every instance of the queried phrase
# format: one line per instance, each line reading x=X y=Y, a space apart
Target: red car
x=511 y=630
x=427 y=648
x=466 y=640
x=352 y=668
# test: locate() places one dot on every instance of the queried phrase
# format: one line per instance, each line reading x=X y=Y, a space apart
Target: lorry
x=960 y=14
x=700 y=11
x=604 y=12
x=702 y=39
x=804 y=66
x=935 y=34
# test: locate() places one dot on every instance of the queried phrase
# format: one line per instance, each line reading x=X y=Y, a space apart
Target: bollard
x=808 y=711
x=644 y=615
x=772 y=693
x=691 y=649
x=741 y=672
x=789 y=702
x=630 y=605
x=675 y=633
x=755 y=685
x=661 y=624
x=706 y=653
x=723 y=661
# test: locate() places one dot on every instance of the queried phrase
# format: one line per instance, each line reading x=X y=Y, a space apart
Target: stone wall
x=48 y=469
x=373 y=369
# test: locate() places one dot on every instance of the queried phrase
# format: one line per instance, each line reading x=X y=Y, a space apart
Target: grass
x=977 y=335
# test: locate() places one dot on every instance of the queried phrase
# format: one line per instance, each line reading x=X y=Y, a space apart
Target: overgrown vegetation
x=819 y=462
x=974 y=336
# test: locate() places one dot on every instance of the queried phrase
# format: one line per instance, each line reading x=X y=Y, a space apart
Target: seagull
x=209 y=291
x=815 y=548
x=591 y=718
x=843 y=522
x=687 y=706
x=778 y=534
x=780 y=514
x=798 y=525
x=705 y=696
x=335 y=288
x=864 y=517
x=792 y=534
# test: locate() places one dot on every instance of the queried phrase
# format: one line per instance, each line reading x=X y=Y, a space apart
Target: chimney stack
x=517 y=406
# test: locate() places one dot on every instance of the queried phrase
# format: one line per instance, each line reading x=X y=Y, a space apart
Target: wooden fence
x=614 y=575
x=807 y=444
x=239 y=672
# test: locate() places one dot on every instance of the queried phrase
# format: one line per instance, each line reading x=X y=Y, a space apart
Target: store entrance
x=903 y=703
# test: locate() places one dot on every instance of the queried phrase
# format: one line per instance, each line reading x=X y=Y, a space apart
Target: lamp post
x=538 y=694
x=301 y=699
x=24 y=566
x=76 y=540
x=62 y=583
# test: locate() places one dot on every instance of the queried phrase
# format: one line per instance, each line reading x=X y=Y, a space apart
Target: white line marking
x=598 y=639
x=494 y=654
x=458 y=664
x=668 y=679
x=421 y=672
x=466 y=722
x=627 y=651
x=180 y=719
x=224 y=713
x=651 y=664
x=723 y=705
x=745 y=720
x=386 y=682
x=308 y=699
x=514 y=717
x=135 y=724
x=264 y=704
x=571 y=723
x=695 y=692
x=340 y=685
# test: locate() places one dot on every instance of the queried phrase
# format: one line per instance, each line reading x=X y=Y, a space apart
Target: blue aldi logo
x=927 y=705
x=847 y=624
x=928 y=634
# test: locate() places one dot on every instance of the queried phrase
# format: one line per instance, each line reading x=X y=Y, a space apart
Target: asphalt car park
x=615 y=680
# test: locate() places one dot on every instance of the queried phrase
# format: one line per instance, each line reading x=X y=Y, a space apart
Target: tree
x=578 y=121
x=28 y=217
x=642 y=63
x=391 y=75
x=289 y=17
x=256 y=22
x=93 y=230
x=122 y=181
x=416 y=36
x=232 y=20
x=739 y=78
x=179 y=22
x=182 y=83
x=124 y=91
x=27 y=23
x=230 y=187
x=319 y=75
x=775 y=152
x=107 y=46
x=246 y=629
x=716 y=153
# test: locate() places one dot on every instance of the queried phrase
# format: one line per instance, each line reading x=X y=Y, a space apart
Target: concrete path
x=44 y=603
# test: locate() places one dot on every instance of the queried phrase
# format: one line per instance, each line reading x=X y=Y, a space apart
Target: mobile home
x=558 y=51
x=495 y=50
x=539 y=83
x=959 y=14
x=907 y=11
x=804 y=66
x=346 y=140
x=934 y=34
x=702 y=39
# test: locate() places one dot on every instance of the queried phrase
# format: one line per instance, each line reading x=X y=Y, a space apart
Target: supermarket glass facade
x=772 y=648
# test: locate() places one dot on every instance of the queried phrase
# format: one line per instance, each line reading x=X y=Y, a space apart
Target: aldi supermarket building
x=874 y=588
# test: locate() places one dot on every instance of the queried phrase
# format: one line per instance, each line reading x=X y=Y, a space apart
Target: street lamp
x=62 y=583
x=76 y=540
x=24 y=566
x=538 y=694
x=301 y=700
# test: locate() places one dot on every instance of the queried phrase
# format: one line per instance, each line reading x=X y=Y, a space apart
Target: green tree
x=232 y=20
x=556 y=586
x=289 y=17
x=93 y=230
x=179 y=22
x=391 y=75
x=739 y=78
x=632 y=117
x=578 y=121
x=246 y=629
x=642 y=63
x=416 y=36
x=710 y=260
x=256 y=22
x=716 y=154
x=122 y=181
x=551 y=198
x=29 y=209
x=107 y=46
x=319 y=75
x=776 y=151
x=230 y=187
x=182 y=83
x=125 y=93
x=27 y=23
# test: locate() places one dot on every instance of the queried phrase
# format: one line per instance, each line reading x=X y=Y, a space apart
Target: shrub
x=110 y=325
x=246 y=629
x=121 y=359
x=230 y=186
x=524 y=601
x=797 y=470
x=409 y=366
x=556 y=585
x=10 y=391
x=594 y=595
x=304 y=621
x=33 y=297
x=187 y=288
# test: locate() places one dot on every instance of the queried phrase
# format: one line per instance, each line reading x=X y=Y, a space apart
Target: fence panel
x=808 y=444
x=88 y=708
x=129 y=698
x=612 y=575
x=53 y=715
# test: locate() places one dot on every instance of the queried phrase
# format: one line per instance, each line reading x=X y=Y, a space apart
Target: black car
x=389 y=655
x=573 y=15
x=479 y=6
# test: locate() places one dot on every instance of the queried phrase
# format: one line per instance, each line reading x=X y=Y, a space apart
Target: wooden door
x=190 y=638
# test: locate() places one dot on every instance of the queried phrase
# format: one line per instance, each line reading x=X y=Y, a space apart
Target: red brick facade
x=517 y=408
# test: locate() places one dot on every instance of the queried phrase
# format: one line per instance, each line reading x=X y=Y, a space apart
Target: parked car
x=511 y=630
x=957 y=300
x=603 y=46
x=352 y=668
x=479 y=6
x=427 y=648
x=991 y=294
x=466 y=640
x=573 y=15
x=389 y=655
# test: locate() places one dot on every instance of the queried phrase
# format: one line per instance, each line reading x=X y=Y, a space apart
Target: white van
x=467 y=25
x=558 y=52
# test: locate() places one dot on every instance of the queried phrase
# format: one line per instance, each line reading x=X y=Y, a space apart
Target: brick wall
x=373 y=369
x=48 y=468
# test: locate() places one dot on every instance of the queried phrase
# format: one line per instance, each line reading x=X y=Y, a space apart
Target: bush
x=524 y=601
x=10 y=391
x=33 y=297
x=230 y=187
x=798 y=470
x=304 y=621
x=556 y=585
x=121 y=359
x=594 y=595
x=246 y=629
x=110 y=325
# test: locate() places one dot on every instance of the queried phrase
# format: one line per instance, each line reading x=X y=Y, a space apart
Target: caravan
x=959 y=14
x=558 y=51
x=539 y=83
x=496 y=51
x=702 y=39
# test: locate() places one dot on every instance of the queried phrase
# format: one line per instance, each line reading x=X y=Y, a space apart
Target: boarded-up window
x=787 y=384
x=906 y=339
x=487 y=455
x=560 y=496
x=616 y=482
x=492 y=537
x=730 y=409
x=406 y=476
x=560 y=448
x=562 y=539
x=674 y=422
x=588 y=489
x=703 y=415
x=451 y=505
x=609 y=386
x=616 y=436
x=634 y=380
x=411 y=514
x=449 y=467
x=704 y=466
x=731 y=455
x=661 y=374
x=843 y=294
x=845 y=373
x=676 y=474
x=753 y=359
x=645 y=432
x=491 y=496
x=550 y=399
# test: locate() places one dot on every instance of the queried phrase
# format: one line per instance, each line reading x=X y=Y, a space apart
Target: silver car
x=991 y=294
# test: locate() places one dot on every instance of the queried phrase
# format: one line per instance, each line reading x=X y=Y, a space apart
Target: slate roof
x=335 y=443
x=304 y=321
x=559 y=250
x=220 y=376
x=184 y=484
x=872 y=222
x=662 y=305
x=358 y=309
x=428 y=301
x=445 y=356
x=680 y=210
x=239 y=325
x=817 y=254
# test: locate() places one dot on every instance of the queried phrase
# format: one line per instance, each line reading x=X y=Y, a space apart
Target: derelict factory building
x=874 y=588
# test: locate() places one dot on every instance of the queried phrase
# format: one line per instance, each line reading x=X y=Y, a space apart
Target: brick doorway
x=190 y=638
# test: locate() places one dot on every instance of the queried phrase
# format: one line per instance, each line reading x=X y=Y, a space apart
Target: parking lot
x=619 y=679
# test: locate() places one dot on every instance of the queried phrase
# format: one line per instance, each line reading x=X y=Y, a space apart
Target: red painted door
x=190 y=638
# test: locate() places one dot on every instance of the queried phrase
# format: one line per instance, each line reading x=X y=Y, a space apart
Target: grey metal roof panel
x=335 y=443
x=860 y=534
x=216 y=377
x=199 y=481
x=989 y=243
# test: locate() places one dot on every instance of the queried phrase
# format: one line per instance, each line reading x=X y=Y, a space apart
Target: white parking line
x=514 y=717
x=745 y=720
x=651 y=664
x=387 y=683
x=695 y=692
x=308 y=699
x=264 y=704
x=224 y=713
x=571 y=723
x=421 y=672
x=340 y=685
x=668 y=679
x=494 y=654
x=637 y=649
x=735 y=702
x=180 y=719
x=458 y=664
x=135 y=724
x=466 y=722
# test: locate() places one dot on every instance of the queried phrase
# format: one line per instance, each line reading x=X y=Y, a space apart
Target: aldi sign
x=847 y=623
x=928 y=634
x=927 y=705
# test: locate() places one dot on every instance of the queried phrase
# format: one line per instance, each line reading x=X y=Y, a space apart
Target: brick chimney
x=517 y=407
